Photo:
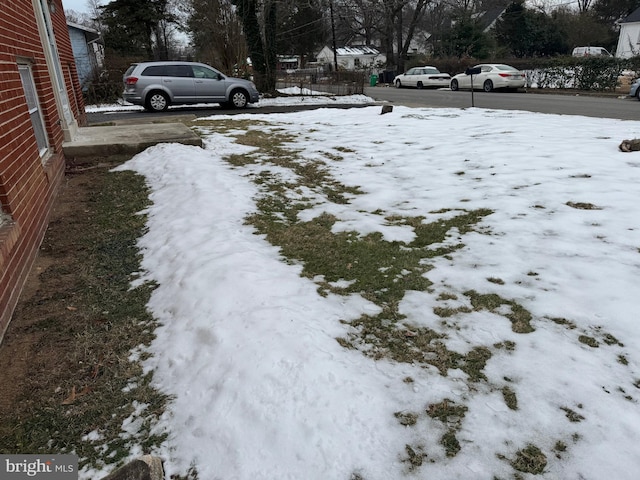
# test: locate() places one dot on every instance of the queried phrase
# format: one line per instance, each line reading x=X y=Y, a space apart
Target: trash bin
x=373 y=80
x=387 y=76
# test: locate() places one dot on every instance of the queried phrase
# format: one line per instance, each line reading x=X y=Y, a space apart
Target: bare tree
x=216 y=35
x=93 y=7
x=90 y=18
x=584 y=5
x=416 y=17
x=389 y=24
x=358 y=21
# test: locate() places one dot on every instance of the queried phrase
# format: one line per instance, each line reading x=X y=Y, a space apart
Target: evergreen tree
x=550 y=39
x=584 y=29
x=262 y=49
x=528 y=33
x=466 y=39
x=514 y=29
x=609 y=11
x=137 y=27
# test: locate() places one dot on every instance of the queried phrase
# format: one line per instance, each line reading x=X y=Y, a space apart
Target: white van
x=590 y=51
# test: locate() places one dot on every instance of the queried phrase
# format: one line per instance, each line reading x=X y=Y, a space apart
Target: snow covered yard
x=433 y=294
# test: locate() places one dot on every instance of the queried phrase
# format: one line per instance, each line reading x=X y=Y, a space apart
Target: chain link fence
x=314 y=81
x=299 y=82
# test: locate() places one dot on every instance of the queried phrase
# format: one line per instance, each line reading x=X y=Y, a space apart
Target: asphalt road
x=619 y=107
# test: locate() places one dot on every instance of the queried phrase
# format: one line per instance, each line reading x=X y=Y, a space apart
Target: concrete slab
x=127 y=139
x=153 y=118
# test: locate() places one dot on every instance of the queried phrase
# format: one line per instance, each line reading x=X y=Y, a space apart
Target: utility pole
x=333 y=37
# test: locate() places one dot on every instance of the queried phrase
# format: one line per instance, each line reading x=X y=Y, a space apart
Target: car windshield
x=431 y=70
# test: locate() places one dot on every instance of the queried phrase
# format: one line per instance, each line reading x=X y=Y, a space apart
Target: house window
x=34 y=108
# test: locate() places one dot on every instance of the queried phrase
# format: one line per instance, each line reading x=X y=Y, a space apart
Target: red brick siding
x=27 y=187
x=68 y=65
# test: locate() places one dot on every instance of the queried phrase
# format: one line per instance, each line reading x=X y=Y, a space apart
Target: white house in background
x=352 y=58
x=88 y=51
x=629 y=38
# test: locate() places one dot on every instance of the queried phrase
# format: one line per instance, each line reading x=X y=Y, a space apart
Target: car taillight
x=131 y=80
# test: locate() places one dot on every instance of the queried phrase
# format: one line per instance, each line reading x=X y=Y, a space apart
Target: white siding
x=352 y=58
x=629 y=40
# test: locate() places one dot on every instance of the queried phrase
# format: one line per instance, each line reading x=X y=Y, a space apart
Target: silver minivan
x=156 y=85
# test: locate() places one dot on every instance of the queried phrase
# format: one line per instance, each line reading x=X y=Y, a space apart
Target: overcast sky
x=77 y=5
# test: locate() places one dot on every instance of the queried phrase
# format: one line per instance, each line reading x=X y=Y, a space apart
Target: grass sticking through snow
x=451 y=415
x=93 y=321
x=520 y=318
x=381 y=271
x=530 y=460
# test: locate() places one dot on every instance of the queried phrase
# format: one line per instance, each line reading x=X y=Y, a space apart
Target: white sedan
x=421 y=77
x=491 y=77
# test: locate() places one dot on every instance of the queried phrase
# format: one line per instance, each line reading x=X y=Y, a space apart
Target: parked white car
x=422 y=77
x=491 y=77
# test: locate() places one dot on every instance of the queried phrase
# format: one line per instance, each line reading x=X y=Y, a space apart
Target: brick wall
x=28 y=181
x=68 y=64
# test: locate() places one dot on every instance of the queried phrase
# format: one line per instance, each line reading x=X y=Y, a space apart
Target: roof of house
x=632 y=17
x=91 y=34
x=356 y=51
x=487 y=18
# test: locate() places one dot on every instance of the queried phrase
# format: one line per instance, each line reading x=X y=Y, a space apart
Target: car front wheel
x=239 y=99
x=454 y=85
x=487 y=86
x=638 y=94
x=398 y=84
x=157 y=102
